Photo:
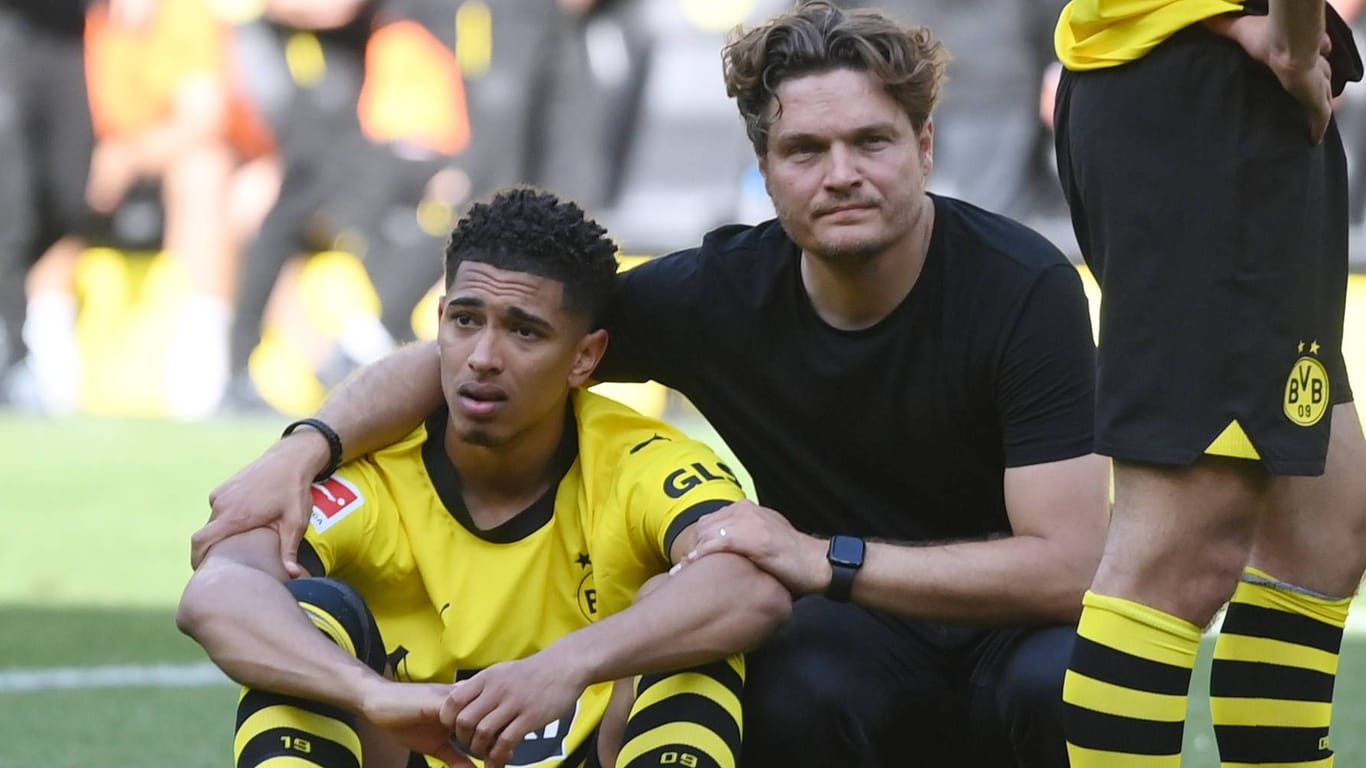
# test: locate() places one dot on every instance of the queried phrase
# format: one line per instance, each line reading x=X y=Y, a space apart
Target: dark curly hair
x=818 y=37
x=529 y=230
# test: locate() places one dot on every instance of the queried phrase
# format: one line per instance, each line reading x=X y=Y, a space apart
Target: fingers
x=501 y=752
x=452 y=757
x=292 y=528
x=488 y=732
x=1325 y=45
x=1321 y=111
x=470 y=708
x=201 y=540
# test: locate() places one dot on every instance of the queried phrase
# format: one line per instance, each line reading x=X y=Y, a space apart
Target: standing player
x=891 y=366
x=499 y=545
x=1207 y=185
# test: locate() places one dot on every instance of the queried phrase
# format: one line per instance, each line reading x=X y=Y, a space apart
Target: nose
x=843 y=171
x=485 y=357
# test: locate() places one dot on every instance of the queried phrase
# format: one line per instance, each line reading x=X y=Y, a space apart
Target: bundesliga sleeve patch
x=333 y=499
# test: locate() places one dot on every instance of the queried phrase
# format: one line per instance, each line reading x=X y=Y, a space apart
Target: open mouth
x=481 y=399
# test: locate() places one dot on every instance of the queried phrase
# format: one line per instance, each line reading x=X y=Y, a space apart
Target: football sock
x=1126 y=686
x=279 y=731
x=1271 y=683
x=689 y=719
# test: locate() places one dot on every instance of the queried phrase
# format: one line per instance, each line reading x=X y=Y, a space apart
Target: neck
x=853 y=294
x=499 y=482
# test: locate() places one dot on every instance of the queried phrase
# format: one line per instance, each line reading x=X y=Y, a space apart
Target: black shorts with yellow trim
x=1218 y=234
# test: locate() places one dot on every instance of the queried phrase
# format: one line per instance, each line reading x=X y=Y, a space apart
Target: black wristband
x=334 y=444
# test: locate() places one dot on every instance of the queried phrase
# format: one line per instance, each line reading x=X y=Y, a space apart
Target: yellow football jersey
x=1093 y=34
x=451 y=600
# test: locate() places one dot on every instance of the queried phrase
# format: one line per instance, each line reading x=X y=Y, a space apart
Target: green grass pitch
x=96 y=520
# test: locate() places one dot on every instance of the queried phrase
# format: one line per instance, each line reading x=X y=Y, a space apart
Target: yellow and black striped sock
x=1271 y=683
x=688 y=719
x=1127 y=685
x=286 y=732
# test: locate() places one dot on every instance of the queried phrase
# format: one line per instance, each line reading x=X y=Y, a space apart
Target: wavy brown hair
x=818 y=37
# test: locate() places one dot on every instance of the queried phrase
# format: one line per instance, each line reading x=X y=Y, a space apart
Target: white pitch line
x=117 y=676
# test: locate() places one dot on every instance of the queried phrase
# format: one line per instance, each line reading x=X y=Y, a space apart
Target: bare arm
x=1058 y=513
x=374 y=408
x=249 y=624
x=237 y=609
x=701 y=613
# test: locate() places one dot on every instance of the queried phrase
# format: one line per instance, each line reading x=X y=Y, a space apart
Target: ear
x=586 y=358
x=763 y=165
x=926 y=142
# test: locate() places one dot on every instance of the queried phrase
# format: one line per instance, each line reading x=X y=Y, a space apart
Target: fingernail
x=677 y=567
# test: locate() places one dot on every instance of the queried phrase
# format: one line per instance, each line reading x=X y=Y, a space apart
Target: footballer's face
x=845 y=167
x=510 y=353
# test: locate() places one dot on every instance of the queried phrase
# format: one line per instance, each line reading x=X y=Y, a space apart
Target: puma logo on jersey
x=680 y=481
x=333 y=499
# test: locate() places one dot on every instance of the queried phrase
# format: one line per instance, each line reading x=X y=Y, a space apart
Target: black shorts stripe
x=1256 y=621
x=1257 y=680
x=1260 y=744
x=1101 y=662
x=272 y=743
x=255 y=701
x=719 y=671
x=687 y=707
x=1113 y=733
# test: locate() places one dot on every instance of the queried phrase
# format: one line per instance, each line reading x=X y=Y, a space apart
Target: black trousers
x=843 y=685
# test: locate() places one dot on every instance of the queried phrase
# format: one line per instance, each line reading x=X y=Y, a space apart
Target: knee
x=1030 y=697
x=804 y=692
x=340 y=612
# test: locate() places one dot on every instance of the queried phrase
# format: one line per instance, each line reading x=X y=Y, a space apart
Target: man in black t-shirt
x=908 y=379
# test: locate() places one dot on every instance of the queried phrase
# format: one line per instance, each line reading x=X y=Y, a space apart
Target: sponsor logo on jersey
x=682 y=480
x=333 y=499
x=1307 y=388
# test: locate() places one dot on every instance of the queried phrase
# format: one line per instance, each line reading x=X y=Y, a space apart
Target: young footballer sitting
x=474 y=586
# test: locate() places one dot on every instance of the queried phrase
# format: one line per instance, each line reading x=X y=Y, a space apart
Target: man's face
x=844 y=166
x=510 y=352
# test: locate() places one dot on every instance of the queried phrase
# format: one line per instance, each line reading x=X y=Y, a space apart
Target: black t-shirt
x=901 y=430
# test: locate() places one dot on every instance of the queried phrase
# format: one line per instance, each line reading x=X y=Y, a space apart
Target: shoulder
x=616 y=440
x=999 y=243
x=736 y=249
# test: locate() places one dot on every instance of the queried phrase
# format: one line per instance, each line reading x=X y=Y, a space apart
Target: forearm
x=713 y=608
x=252 y=628
x=1006 y=580
x=1300 y=24
x=381 y=403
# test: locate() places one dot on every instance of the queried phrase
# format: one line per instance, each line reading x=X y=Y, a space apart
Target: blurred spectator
x=45 y=145
x=366 y=102
x=166 y=108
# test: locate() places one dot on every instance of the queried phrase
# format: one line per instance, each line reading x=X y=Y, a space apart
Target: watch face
x=846 y=550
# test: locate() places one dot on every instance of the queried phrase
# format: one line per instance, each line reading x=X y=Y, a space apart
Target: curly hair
x=528 y=230
x=818 y=37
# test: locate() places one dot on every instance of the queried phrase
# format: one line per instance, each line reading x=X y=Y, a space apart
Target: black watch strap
x=846 y=558
x=334 y=444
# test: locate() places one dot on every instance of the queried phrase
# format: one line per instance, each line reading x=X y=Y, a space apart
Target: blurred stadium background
x=617 y=103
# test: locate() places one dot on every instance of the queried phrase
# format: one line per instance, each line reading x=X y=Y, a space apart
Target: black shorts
x=1218 y=235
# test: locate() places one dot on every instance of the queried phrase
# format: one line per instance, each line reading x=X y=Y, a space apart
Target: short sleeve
x=344 y=522
x=1045 y=387
x=650 y=307
x=664 y=487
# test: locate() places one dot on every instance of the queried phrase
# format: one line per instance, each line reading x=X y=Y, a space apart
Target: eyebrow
x=517 y=313
x=862 y=130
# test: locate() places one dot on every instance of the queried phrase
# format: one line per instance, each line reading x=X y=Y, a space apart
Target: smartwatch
x=846 y=557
